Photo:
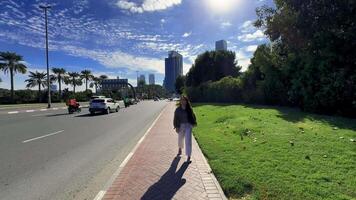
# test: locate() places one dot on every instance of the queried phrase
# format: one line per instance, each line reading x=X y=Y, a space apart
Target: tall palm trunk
x=96 y=88
x=74 y=86
x=39 y=93
x=12 y=83
x=86 y=84
x=60 y=87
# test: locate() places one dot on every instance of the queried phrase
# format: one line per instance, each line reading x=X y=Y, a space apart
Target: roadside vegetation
x=261 y=152
x=309 y=62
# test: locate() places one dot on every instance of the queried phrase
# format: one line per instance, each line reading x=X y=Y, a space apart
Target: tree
x=180 y=84
x=101 y=78
x=37 y=79
x=212 y=66
x=267 y=75
x=87 y=76
x=59 y=75
x=73 y=79
x=318 y=42
x=11 y=63
x=95 y=83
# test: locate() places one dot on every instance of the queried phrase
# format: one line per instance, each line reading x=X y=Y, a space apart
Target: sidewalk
x=154 y=172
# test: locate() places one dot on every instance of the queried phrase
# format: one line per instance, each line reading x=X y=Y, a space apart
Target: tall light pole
x=45 y=8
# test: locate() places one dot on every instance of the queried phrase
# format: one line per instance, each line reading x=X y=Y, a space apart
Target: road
x=21 y=108
x=53 y=155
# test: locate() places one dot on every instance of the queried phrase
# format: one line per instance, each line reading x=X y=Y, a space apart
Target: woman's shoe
x=188 y=159
x=179 y=152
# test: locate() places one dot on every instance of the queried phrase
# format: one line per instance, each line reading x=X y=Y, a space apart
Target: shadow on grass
x=168 y=184
x=295 y=115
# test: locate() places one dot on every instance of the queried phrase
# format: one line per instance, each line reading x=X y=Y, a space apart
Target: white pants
x=185 y=131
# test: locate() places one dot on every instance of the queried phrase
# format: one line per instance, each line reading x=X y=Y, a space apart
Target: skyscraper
x=221 y=45
x=151 y=79
x=173 y=69
x=142 y=79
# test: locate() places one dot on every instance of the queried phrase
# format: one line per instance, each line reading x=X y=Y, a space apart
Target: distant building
x=151 y=79
x=142 y=78
x=173 y=69
x=54 y=88
x=113 y=84
x=221 y=45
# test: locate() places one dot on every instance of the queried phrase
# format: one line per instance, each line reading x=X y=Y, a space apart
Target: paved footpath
x=155 y=171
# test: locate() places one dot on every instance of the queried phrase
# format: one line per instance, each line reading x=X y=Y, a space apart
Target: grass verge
x=259 y=152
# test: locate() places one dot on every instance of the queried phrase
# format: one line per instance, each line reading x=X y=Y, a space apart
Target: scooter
x=72 y=109
x=73 y=106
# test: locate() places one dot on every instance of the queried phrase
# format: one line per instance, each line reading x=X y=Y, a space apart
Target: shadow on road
x=56 y=115
x=90 y=115
x=168 y=184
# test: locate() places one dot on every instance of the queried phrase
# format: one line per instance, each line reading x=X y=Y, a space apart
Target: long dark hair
x=191 y=116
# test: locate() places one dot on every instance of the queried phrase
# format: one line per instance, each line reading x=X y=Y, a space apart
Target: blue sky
x=120 y=37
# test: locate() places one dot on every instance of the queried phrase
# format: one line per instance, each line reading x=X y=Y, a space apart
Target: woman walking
x=184 y=120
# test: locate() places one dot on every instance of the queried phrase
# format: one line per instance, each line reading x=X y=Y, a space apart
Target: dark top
x=181 y=116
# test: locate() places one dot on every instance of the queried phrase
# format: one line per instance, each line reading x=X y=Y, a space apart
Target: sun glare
x=222 y=6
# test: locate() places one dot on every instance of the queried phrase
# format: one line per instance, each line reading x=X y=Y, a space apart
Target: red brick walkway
x=155 y=172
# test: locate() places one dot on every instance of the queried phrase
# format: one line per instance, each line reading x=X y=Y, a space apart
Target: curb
x=102 y=192
x=211 y=173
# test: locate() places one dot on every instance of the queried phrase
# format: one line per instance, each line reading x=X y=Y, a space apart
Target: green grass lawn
x=259 y=152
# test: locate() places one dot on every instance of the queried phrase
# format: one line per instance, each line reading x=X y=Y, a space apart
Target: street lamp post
x=45 y=8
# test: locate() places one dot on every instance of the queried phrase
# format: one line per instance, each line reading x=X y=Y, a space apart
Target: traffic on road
x=51 y=154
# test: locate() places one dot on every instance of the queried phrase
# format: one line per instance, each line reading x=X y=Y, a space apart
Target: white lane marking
x=54 y=108
x=41 y=114
x=43 y=136
x=101 y=194
x=30 y=111
x=13 y=112
x=44 y=109
x=63 y=107
x=126 y=160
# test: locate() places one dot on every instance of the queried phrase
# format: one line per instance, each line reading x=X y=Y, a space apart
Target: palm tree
x=60 y=75
x=103 y=77
x=86 y=75
x=11 y=62
x=37 y=79
x=73 y=79
x=95 y=83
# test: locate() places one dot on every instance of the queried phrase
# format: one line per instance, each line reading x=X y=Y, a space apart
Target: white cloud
x=147 y=5
x=243 y=60
x=251 y=48
x=225 y=24
x=118 y=59
x=258 y=35
x=186 y=34
x=247 y=27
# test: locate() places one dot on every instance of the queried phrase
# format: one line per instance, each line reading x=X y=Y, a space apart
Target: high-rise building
x=221 y=45
x=142 y=78
x=151 y=79
x=173 y=69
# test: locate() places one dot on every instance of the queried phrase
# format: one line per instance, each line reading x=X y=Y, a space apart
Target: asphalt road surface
x=54 y=155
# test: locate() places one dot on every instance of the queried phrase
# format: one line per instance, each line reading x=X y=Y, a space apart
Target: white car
x=105 y=105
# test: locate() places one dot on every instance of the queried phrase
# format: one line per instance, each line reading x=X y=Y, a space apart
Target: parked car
x=105 y=105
